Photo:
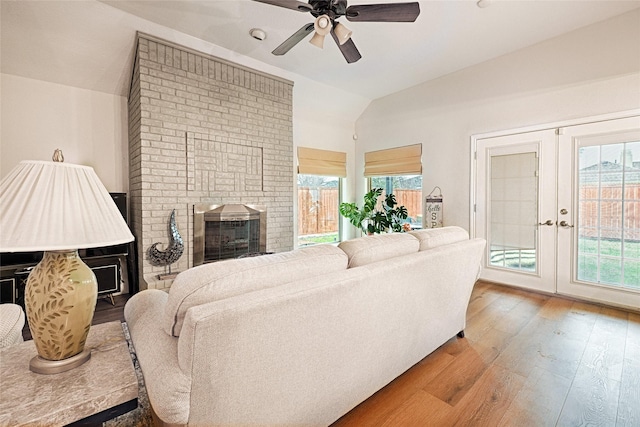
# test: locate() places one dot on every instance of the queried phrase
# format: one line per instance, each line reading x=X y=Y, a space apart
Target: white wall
x=591 y=71
x=89 y=127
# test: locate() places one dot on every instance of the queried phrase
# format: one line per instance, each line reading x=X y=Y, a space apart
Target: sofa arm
x=140 y=304
x=167 y=386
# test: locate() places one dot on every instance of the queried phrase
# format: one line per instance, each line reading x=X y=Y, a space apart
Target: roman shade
x=312 y=161
x=405 y=160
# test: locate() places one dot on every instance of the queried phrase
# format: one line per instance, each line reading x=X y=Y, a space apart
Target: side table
x=103 y=388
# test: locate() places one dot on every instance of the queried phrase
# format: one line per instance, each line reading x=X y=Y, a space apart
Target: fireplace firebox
x=227 y=231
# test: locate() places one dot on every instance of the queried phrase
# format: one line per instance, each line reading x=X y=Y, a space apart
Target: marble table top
x=106 y=380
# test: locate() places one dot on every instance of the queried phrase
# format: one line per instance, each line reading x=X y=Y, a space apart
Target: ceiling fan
x=327 y=13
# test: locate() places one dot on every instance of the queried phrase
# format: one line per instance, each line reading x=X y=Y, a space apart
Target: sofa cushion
x=379 y=247
x=434 y=237
x=224 y=279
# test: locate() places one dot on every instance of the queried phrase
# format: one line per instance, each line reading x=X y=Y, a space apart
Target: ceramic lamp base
x=60 y=298
x=44 y=366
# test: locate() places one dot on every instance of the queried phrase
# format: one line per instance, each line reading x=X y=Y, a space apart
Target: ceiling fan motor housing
x=333 y=8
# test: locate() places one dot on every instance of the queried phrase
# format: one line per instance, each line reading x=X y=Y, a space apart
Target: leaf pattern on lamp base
x=60 y=299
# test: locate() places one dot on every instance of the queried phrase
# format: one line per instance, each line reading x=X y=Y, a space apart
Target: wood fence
x=603 y=214
x=412 y=200
x=318 y=210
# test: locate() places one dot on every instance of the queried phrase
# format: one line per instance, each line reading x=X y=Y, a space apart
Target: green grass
x=610 y=268
x=315 y=239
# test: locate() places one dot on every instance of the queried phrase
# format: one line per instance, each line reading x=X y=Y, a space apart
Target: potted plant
x=373 y=218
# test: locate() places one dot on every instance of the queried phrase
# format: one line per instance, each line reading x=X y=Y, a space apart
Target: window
x=408 y=192
x=318 y=216
x=320 y=173
x=398 y=171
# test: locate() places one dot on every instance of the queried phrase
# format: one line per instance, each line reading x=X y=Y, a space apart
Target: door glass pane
x=514 y=211
x=609 y=214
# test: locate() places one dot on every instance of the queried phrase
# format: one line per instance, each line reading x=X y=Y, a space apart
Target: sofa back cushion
x=224 y=279
x=379 y=247
x=434 y=237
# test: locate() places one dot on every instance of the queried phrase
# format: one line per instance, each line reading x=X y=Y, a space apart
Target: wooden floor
x=527 y=360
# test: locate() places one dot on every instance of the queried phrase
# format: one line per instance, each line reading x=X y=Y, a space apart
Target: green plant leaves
x=372 y=220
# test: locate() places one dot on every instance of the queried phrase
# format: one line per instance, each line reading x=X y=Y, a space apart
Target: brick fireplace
x=204 y=130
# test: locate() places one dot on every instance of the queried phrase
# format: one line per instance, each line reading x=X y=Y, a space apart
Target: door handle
x=547 y=222
x=565 y=224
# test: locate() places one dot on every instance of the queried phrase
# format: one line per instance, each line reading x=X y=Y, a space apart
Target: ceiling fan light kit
x=327 y=13
x=317 y=40
x=342 y=32
x=322 y=25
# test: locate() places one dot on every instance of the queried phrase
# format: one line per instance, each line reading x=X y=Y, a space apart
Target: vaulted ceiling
x=89 y=44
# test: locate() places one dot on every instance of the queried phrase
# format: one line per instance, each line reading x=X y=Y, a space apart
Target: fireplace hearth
x=227 y=231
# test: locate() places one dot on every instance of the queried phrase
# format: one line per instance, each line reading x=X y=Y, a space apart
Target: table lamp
x=58 y=208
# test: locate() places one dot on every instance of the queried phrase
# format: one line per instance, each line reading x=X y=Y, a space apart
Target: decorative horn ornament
x=173 y=252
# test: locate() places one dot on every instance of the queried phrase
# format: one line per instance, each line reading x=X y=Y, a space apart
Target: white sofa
x=300 y=337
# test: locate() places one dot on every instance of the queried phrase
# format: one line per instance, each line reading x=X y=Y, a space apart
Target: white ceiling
x=89 y=44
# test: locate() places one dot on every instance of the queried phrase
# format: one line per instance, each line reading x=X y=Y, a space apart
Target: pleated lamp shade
x=50 y=206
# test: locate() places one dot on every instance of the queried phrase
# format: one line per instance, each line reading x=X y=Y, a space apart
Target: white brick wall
x=205 y=130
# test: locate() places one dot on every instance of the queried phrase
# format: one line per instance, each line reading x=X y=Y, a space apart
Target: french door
x=514 y=212
x=560 y=210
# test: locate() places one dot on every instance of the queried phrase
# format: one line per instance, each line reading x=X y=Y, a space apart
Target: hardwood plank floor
x=527 y=360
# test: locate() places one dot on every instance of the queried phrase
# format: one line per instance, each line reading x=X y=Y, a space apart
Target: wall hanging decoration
x=433 y=209
x=173 y=252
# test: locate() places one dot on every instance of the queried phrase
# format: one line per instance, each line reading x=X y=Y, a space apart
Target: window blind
x=312 y=161
x=405 y=160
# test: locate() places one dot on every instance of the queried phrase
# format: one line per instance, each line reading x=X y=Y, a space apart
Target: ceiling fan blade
x=384 y=12
x=296 y=38
x=289 y=4
x=348 y=49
